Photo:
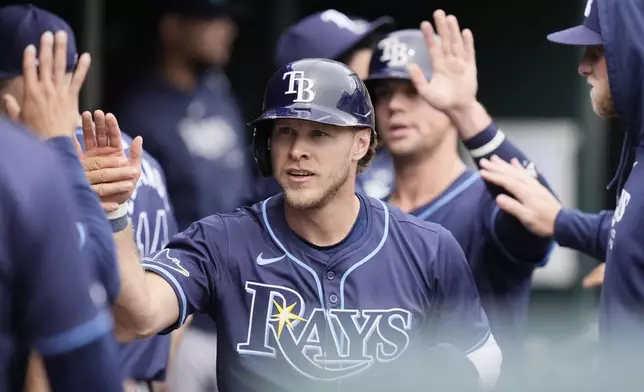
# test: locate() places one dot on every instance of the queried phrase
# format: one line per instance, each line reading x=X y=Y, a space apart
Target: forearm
x=587 y=233
x=36 y=379
x=133 y=311
x=471 y=120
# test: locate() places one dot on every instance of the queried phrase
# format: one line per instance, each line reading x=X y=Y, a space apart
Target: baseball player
x=154 y=223
x=333 y=35
x=50 y=301
x=612 y=63
x=420 y=123
x=317 y=287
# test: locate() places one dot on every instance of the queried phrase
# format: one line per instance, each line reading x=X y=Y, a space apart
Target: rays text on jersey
x=322 y=344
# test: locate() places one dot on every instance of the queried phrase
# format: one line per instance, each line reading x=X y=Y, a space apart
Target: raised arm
x=171 y=284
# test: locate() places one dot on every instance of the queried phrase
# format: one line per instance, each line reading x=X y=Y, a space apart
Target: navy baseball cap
x=588 y=33
x=23 y=25
x=327 y=34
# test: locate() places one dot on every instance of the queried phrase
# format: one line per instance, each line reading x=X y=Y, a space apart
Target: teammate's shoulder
x=22 y=152
x=407 y=224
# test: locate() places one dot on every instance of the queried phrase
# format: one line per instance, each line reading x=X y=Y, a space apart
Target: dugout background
x=521 y=75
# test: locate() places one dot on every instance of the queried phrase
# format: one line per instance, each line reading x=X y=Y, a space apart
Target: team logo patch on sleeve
x=167 y=261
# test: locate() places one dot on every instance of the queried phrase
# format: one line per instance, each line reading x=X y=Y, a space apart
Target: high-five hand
x=112 y=174
x=453 y=84
x=50 y=104
x=531 y=202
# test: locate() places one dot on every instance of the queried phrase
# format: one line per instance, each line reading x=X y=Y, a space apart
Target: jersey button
x=330 y=275
x=333 y=298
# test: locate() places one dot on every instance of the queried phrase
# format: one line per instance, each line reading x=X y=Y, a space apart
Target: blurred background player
x=333 y=35
x=142 y=361
x=52 y=302
x=421 y=120
x=307 y=286
x=183 y=107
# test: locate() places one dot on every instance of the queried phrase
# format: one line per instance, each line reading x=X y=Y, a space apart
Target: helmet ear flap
x=262 y=148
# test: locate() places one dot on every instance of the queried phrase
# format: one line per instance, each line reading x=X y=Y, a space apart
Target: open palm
x=453 y=83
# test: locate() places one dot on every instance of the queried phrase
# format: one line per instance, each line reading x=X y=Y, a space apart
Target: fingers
x=136 y=152
x=512 y=207
x=109 y=206
x=456 y=47
x=113 y=131
x=88 y=131
x=60 y=57
x=113 y=188
x=45 y=59
x=510 y=184
x=29 y=69
x=514 y=169
x=595 y=278
x=442 y=28
x=11 y=107
x=112 y=175
x=103 y=162
x=101 y=129
x=80 y=74
x=468 y=43
x=416 y=75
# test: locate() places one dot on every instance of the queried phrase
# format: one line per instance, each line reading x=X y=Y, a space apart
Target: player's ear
x=362 y=141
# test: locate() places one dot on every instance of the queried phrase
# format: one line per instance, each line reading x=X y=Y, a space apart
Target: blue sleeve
x=93 y=223
x=462 y=320
x=63 y=304
x=587 y=233
x=513 y=239
x=92 y=367
x=192 y=264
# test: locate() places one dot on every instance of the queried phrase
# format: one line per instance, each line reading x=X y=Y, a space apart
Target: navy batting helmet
x=395 y=51
x=318 y=90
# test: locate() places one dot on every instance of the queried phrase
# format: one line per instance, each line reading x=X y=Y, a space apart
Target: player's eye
x=283 y=131
x=381 y=92
x=317 y=133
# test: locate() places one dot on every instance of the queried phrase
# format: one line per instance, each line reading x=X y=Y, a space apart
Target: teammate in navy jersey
x=51 y=302
x=612 y=64
x=421 y=122
x=317 y=287
x=143 y=361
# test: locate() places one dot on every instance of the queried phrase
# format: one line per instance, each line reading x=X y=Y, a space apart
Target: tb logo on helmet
x=298 y=84
x=394 y=53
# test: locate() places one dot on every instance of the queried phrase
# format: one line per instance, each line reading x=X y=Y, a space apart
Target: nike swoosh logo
x=263 y=261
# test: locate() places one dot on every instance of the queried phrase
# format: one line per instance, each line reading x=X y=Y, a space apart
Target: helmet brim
x=312 y=113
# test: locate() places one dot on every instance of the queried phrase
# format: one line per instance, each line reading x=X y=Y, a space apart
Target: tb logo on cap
x=298 y=84
x=394 y=52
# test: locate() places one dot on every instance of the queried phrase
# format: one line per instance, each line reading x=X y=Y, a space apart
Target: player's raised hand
x=533 y=205
x=596 y=277
x=112 y=174
x=453 y=84
x=50 y=103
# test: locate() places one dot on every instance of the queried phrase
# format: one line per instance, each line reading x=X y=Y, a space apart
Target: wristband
x=120 y=212
x=119 y=218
